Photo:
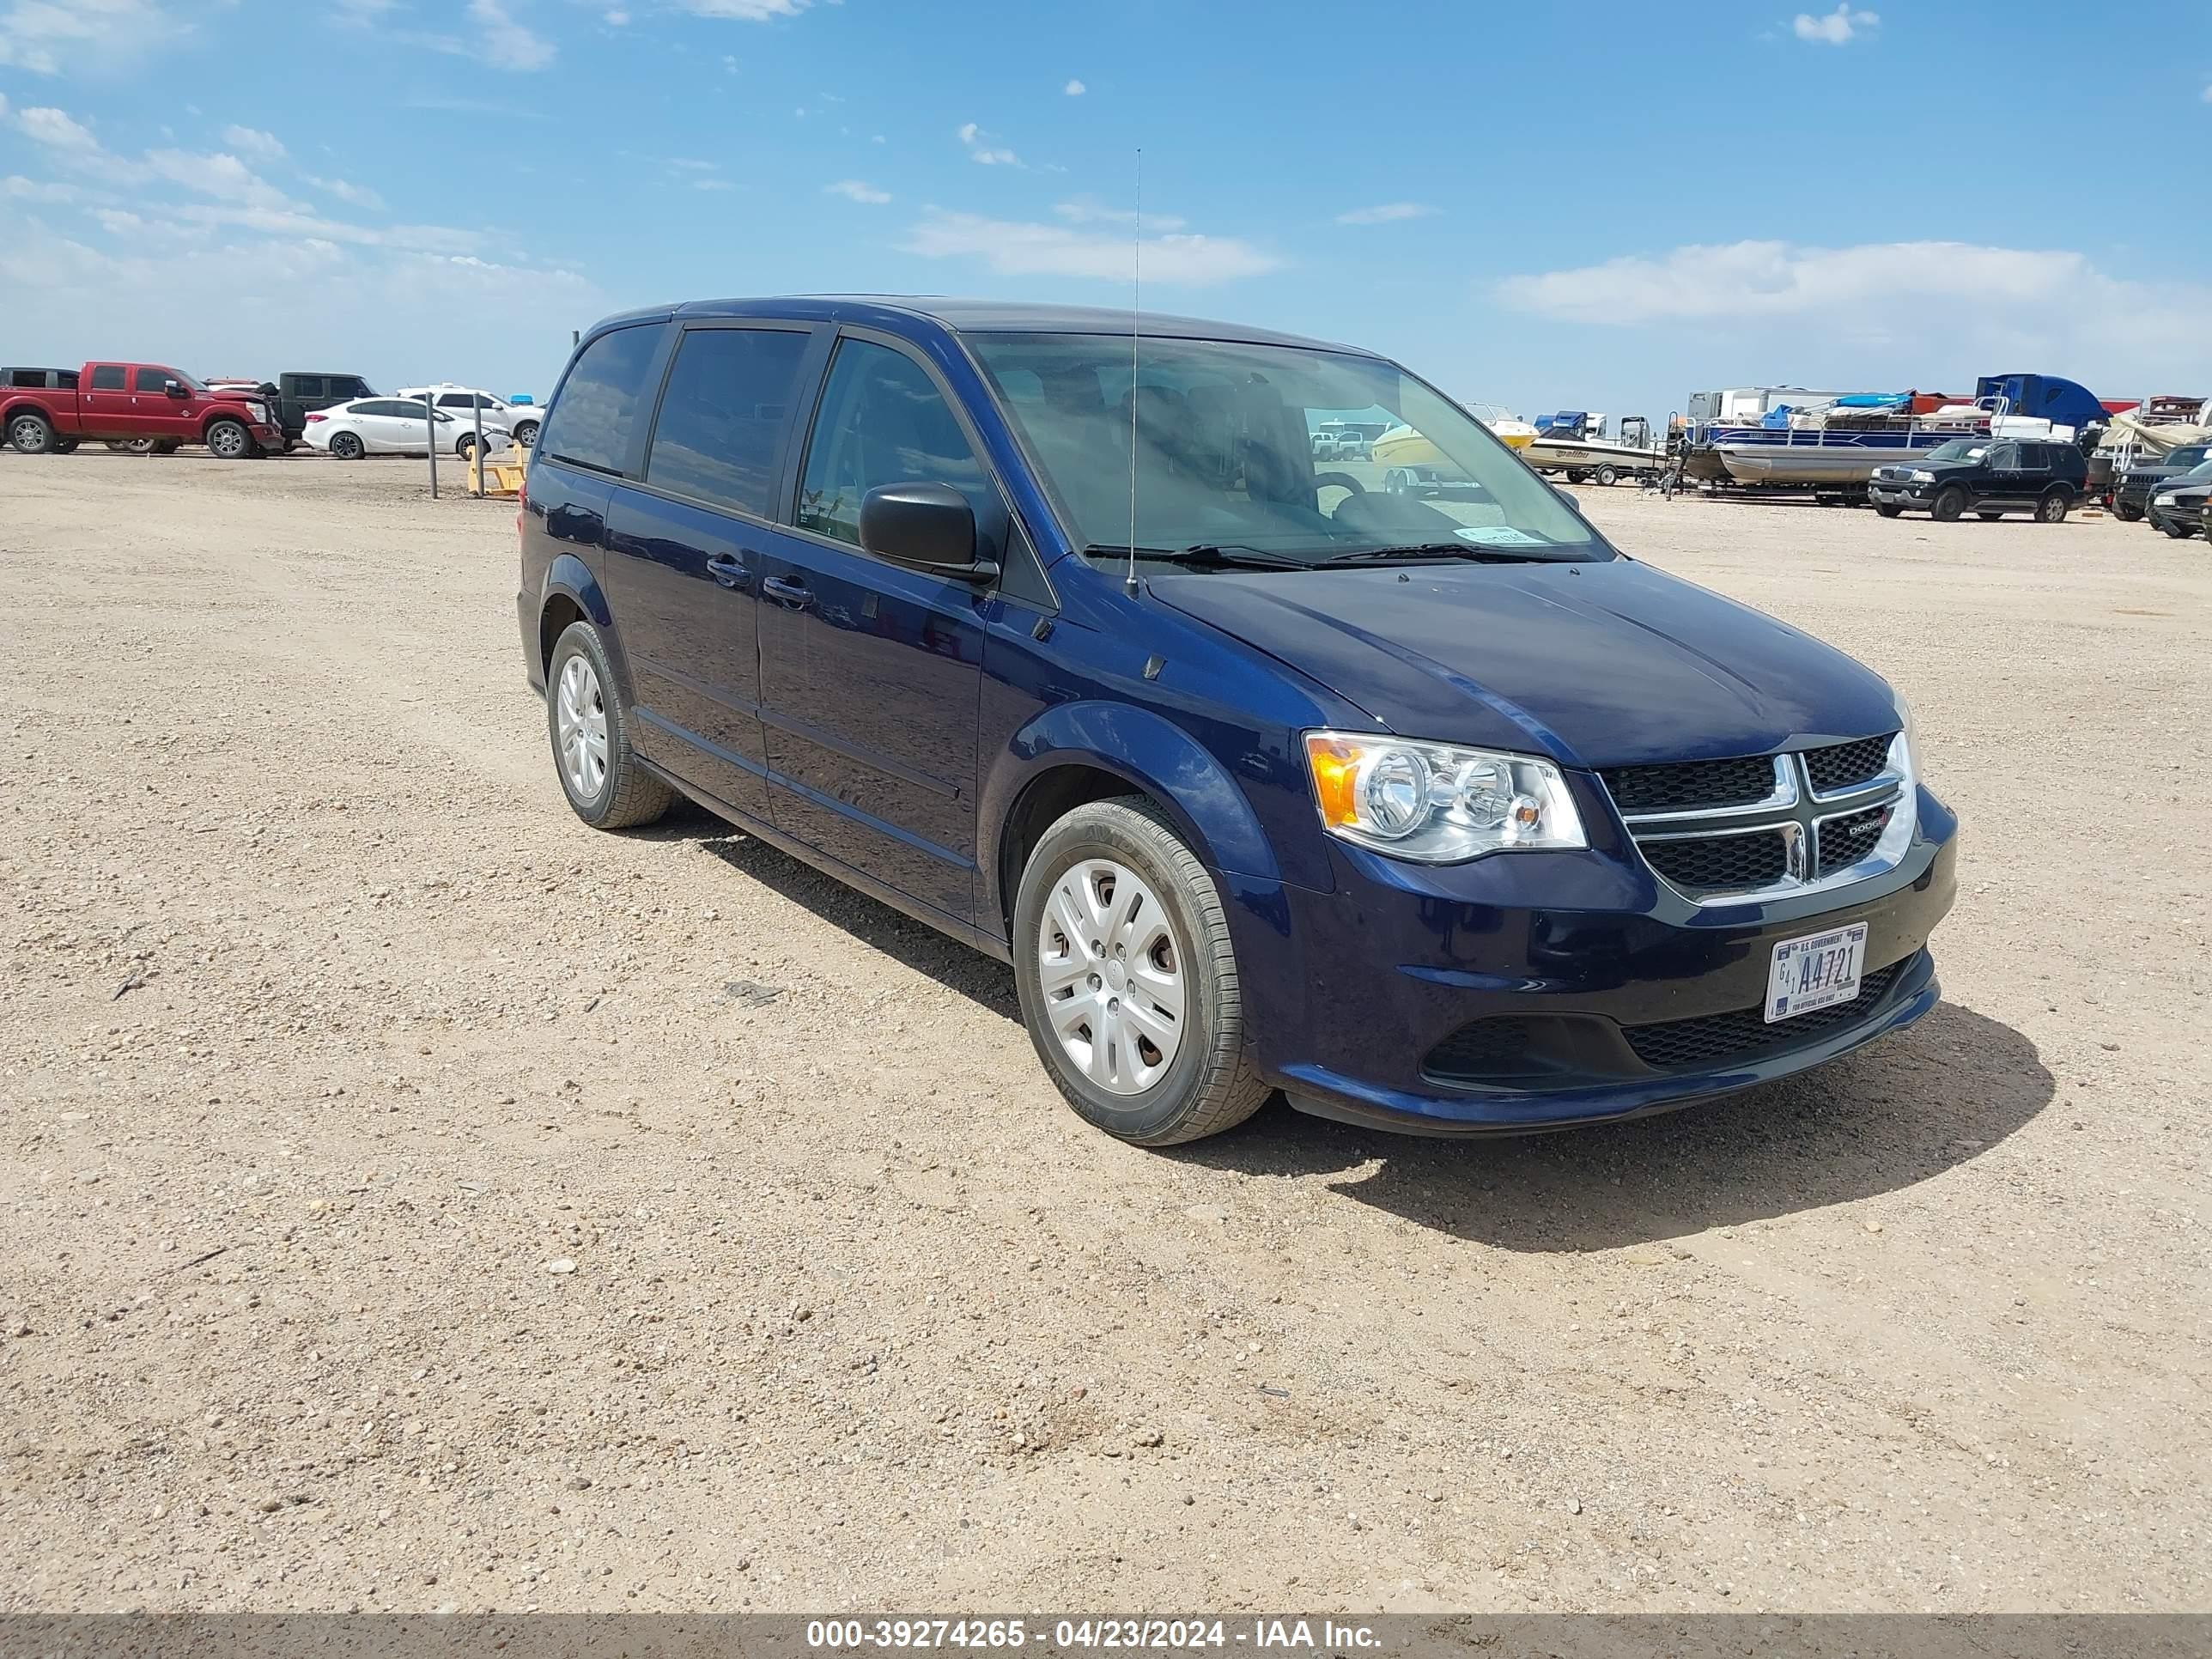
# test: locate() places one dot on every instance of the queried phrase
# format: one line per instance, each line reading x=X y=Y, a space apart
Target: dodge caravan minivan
x=1434 y=812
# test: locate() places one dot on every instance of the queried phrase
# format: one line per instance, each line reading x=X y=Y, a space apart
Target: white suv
x=519 y=419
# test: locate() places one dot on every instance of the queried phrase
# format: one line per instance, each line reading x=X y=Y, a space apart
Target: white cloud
x=221 y=175
x=1387 y=213
x=54 y=128
x=1075 y=89
x=854 y=191
x=2208 y=92
x=358 y=194
x=55 y=36
x=749 y=11
x=980 y=150
x=616 y=19
x=712 y=184
x=1927 y=308
x=362 y=13
x=262 y=146
x=20 y=188
x=1013 y=249
x=1837 y=28
x=1087 y=210
x=504 y=43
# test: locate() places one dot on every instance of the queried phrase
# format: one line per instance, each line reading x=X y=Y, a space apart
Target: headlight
x=1436 y=803
x=1905 y=747
x=1923 y=477
x=2165 y=501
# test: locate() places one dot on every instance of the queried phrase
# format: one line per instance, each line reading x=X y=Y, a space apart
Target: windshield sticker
x=1499 y=535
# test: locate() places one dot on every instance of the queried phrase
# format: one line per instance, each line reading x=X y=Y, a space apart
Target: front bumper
x=1368 y=1015
x=2187 y=519
x=1890 y=493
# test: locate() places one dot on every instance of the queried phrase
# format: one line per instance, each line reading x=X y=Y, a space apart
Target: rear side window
x=107 y=376
x=595 y=416
x=882 y=422
x=727 y=400
x=456 y=400
x=307 y=386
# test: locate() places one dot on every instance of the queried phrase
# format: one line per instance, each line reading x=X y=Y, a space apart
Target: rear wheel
x=346 y=447
x=1575 y=475
x=1949 y=503
x=600 y=773
x=31 y=433
x=1127 y=978
x=1608 y=476
x=525 y=433
x=226 y=440
x=2051 y=509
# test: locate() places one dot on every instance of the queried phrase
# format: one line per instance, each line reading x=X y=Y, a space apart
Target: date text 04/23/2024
x=1103 y=1634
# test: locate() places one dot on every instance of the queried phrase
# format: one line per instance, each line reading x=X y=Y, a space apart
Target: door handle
x=784 y=591
x=728 y=570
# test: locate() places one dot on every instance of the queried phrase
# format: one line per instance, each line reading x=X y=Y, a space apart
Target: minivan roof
x=963 y=316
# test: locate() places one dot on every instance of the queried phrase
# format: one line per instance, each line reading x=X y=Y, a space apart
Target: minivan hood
x=1595 y=664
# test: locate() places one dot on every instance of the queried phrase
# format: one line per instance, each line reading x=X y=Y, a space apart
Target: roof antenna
x=1136 y=308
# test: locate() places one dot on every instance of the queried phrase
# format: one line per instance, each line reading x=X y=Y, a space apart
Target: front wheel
x=1127 y=978
x=2126 y=512
x=1887 y=509
x=1608 y=476
x=599 y=772
x=2051 y=509
x=226 y=440
x=465 y=445
x=1949 y=503
x=31 y=433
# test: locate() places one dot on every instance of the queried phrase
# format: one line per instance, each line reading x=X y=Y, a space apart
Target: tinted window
x=881 y=422
x=149 y=379
x=107 y=376
x=728 y=397
x=456 y=400
x=2034 y=456
x=307 y=386
x=595 y=416
x=344 y=386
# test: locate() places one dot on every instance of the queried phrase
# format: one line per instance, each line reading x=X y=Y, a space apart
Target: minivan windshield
x=1224 y=436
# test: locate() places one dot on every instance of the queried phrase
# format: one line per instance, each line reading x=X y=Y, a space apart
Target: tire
x=226 y=440
x=581 y=701
x=1950 y=502
x=167 y=446
x=526 y=433
x=1608 y=476
x=1125 y=1082
x=2051 y=509
x=346 y=447
x=1989 y=518
x=66 y=446
x=30 y=432
x=2126 y=512
x=1575 y=475
x=465 y=445
x=1887 y=509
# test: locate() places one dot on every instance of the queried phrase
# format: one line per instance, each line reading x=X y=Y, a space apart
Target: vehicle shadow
x=957 y=967
x=1890 y=1116
x=1898 y=1112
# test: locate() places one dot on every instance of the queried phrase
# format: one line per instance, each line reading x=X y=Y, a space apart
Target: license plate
x=1817 y=971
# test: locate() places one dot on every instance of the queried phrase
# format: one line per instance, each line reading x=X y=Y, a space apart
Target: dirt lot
x=409 y=1206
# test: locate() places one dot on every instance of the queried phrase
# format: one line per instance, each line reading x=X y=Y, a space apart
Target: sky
x=1534 y=206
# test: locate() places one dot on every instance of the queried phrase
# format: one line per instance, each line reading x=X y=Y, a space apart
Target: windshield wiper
x=1216 y=555
x=1442 y=550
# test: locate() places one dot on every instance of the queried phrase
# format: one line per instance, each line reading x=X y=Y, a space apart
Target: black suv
x=2132 y=490
x=1990 y=476
x=300 y=393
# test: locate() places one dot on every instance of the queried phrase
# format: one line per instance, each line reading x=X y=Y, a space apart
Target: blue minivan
x=1434 y=810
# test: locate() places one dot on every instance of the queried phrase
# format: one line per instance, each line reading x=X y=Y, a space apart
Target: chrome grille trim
x=1790 y=811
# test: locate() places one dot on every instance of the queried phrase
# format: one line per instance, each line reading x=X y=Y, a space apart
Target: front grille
x=1719 y=862
x=1846 y=840
x=1663 y=788
x=1743 y=1034
x=1844 y=765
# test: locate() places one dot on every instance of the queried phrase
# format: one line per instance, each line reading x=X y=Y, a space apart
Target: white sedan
x=520 y=419
x=388 y=426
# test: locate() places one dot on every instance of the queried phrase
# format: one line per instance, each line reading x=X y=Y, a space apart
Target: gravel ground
x=415 y=1200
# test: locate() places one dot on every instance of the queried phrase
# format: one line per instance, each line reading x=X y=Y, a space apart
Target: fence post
x=477 y=457
x=431 y=443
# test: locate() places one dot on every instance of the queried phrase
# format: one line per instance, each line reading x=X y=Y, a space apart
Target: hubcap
x=226 y=441
x=1111 y=970
x=580 y=720
x=26 y=434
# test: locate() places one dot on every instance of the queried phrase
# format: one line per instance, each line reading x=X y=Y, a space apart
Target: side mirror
x=175 y=389
x=929 y=526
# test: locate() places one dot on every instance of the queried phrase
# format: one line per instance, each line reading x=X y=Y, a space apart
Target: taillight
x=311 y=419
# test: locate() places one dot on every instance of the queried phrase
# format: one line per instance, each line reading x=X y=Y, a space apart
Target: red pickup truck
x=53 y=409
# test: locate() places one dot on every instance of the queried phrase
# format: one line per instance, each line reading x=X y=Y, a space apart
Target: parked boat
x=1840 y=443
x=1574 y=442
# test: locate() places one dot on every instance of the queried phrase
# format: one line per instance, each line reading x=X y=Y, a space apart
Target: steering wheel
x=1341 y=480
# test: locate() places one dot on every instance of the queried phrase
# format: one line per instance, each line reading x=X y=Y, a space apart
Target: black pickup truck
x=1988 y=477
x=299 y=394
